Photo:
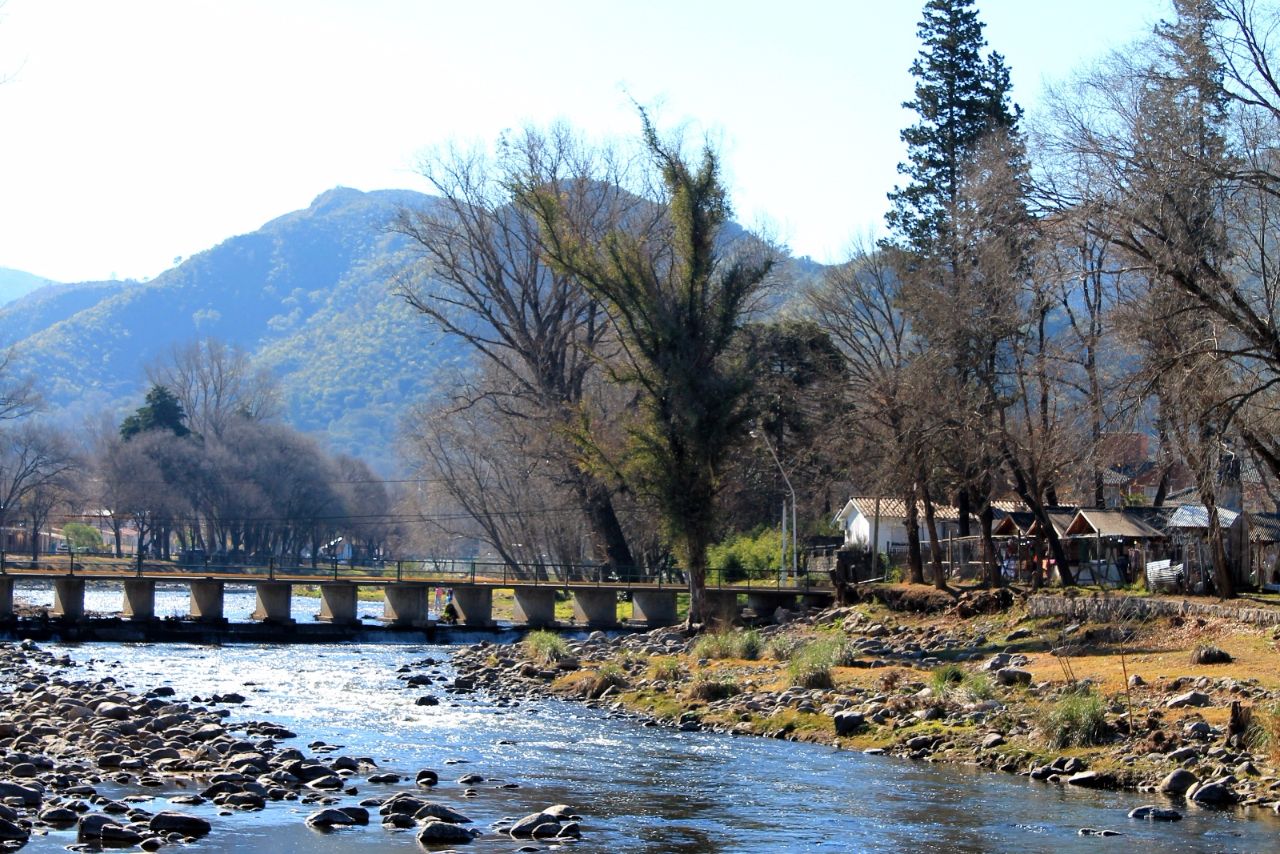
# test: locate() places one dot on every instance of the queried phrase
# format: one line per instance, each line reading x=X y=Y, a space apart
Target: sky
x=137 y=132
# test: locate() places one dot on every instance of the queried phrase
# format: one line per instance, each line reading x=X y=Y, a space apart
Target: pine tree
x=162 y=411
x=960 y=97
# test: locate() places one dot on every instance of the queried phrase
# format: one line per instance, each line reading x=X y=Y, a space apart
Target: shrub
x=709 y=689
x=1077 y=719
x=750 y=555
x=889 y=681
x=82 y=537
x=545 y=647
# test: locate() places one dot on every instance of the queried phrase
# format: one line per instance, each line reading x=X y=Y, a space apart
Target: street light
x=762 y=436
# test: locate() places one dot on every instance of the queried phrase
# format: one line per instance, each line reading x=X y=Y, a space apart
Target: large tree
x=538 y=332
x=677 y=298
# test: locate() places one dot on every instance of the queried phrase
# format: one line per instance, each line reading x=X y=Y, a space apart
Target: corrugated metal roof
x=1197 y=516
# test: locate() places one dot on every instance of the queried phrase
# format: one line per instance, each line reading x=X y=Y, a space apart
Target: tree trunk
x=935 y=547
x=609 y=542
x=696 y=571
x=1222 y=578
x=964 y=510
x=915 y=565
x=992 y=568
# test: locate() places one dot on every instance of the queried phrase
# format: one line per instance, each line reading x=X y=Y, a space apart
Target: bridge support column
x=595 y=607
x=406 y=604
x=653 y=607
x=68 y=598
x=765 y=603
x=6 y=596
x=721 y=606
x=474 y=605
x=338 y=604
x=535 y=606
x=139 y=599
x=206 y=600
x=818 y=599
x=274 y=602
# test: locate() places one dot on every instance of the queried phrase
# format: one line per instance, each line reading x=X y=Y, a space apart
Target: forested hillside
x=308 y=295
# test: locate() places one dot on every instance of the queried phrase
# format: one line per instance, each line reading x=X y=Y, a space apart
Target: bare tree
x=33 y=457
x=216 y=384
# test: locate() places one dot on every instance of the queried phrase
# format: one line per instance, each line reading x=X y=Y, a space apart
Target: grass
x=1077 y=719
x=665 y=668
x=946 y=678
x=728 y=643
x=1263 y=734
x=545 y=647
x=810 y=665
x=710 y=688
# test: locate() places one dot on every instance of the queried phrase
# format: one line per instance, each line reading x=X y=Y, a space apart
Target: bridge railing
x=439 y=571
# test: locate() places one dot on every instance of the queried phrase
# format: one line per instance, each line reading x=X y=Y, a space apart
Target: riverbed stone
x=327 y=818
x=1215 y=794
x=440 y=812
x=11 y=831
x=442 y=831
x=176 y=822
x=1190 y=698
x=1177 y=782
x=1152 y=812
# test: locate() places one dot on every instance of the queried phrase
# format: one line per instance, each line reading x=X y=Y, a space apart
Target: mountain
x=16 y=283
x=308 y=295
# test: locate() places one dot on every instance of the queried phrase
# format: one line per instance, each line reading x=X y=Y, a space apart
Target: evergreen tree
x=162 y=411
x=960 y=97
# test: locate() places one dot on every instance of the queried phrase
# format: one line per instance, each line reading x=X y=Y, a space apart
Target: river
x=639 y=789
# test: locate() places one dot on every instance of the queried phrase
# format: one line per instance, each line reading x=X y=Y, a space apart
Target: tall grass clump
x=945 y=678
x=783 y=647
x=979 y=686
x=729 y=644
x=664 y=668
x=1263 y=733
x=1077 y=719
x=546 y=647
x=810 y=665
x=709 y=688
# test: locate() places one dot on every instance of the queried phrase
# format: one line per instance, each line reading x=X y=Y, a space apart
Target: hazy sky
x=135 y=131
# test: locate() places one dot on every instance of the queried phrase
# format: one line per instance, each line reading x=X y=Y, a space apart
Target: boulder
x=1191 y=698
x=442 y=831
x=1151 y=812
x=427 y=778
x=31 y=796
x=1013 y=676
x=327 y=818
x=1214 y=794
x=440 y=812
x=1177 y=782
x=848 y=723
x=176 y=822
x=12 y=831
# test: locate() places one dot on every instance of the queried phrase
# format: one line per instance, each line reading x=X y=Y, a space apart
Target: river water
x=638 y=789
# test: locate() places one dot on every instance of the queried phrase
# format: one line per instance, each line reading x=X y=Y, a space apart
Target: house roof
x=1060 y=517
x=896 y=508
x=1263 y=527
x=1197 y=516
x=1111 y=523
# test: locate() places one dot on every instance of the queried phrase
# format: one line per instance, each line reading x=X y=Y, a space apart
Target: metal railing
x=442 y=572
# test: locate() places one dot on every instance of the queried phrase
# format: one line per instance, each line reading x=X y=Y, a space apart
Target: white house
x=858 y=520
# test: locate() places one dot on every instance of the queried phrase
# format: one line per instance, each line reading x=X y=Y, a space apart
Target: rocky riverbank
x=1185 y=709
x=91 y=756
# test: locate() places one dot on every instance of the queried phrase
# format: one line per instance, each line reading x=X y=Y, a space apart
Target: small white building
x=858 y=519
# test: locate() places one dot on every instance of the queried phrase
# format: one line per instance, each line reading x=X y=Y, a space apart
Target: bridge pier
x=338 y=604
x=596 y=608
x=274 y=602
x=653 y=607
x=6 y=596
x=206 y=600
x=474 y=605
x=765 y=603
x=721 y=606
x=139 y=599
x=405 y=605
x=68 y=598
x=535 y=606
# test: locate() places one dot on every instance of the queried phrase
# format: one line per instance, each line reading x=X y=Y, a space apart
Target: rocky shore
x=1131 y=707
x=71 y=749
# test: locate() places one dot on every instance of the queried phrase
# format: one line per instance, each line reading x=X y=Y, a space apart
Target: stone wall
x=1111 y=608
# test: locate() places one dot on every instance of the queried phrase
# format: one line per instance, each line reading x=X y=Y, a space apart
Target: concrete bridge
x=406 y=589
